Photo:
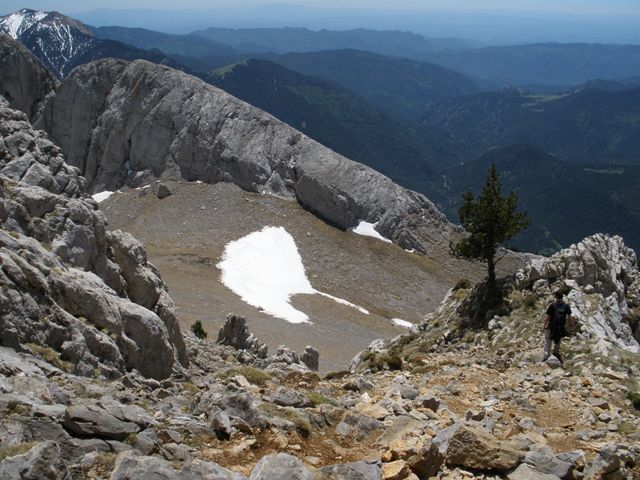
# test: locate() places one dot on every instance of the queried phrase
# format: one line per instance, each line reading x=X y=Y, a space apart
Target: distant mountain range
x=427 y=127
x=543 y=63
x=565 y=201
x=62 y=43
x=586 y=125
x=341 y=120
x=400 y=85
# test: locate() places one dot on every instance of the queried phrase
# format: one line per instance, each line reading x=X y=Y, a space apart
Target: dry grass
x=17 y=449
x=49 y=355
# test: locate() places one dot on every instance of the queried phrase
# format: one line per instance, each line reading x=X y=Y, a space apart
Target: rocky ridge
x=123 y=123
x=70 y=287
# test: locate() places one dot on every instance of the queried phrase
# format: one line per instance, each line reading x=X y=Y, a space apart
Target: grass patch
x=318 y=399
x=17 y=449
x=302 y=424
x=49 y=355
x=253 y=375
x=462 y=284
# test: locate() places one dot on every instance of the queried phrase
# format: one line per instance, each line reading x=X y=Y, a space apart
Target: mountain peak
x=18 y=22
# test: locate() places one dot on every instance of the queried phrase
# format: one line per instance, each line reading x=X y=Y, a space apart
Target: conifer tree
x=490 y=220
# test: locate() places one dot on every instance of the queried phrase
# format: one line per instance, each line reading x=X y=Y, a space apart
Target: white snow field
x=369 y=230
x=102 y=196
x=265 y=269
x=402 y=323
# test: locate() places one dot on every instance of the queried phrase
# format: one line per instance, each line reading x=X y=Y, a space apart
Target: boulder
x=472 y=448
x=235 y=333
x=42 y=461
x=311 y=358
x=281 y=466
x=364 y=470
x=93 y=421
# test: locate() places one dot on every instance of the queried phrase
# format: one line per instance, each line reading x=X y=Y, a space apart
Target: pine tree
x=490 y=220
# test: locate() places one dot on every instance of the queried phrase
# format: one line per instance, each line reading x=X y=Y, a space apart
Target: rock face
x=24 y=82
x=603 y=280
x=66 y=285
x=118 y=121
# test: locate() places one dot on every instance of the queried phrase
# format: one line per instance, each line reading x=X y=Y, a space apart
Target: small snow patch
x=402 y=323
x=369 y=230
x=102 y=196
x=265 y=269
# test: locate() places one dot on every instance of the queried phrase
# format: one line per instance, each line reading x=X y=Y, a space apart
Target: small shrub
x=198 y=331
x=530 y=301
x=303 y=426
x=383 y=361
x=462 y=284
x=337 y=374
x=635 y=399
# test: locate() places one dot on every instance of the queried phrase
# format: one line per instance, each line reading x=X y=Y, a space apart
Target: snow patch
x=102 y=196
x=265 y=269
x=369 y=230
x=402 y=323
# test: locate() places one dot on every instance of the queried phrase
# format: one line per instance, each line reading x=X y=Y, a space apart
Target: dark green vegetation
x=403 y=86
x=565 y=201
x=587 y=126
x=543 y=63
x=340 y=120
x=198 y=330
x=491 y=220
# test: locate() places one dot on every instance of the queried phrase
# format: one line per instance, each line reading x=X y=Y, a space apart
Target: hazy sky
x=568 y=6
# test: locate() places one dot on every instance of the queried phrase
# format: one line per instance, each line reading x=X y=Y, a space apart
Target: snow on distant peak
x=369 y=230
x=16 y=23
x=265 y=269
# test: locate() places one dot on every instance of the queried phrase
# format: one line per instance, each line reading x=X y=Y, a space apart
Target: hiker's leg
x=547 y=344
x=556 y=348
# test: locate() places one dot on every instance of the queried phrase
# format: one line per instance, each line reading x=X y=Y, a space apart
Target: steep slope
x=565 y=201
x=585 y=126
x=118 y=121
x=400 y=85
x=24 y=82
x=70 y=290
x=340 y=120
x=61 y=43
x=543 y=63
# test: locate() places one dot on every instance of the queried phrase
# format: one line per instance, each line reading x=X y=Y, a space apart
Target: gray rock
x=546 y=462
x=235 y=333
x=24 y=82
x=178 y=126
x=363 y=470
x=311 y=358
x=427 y=401
x=607 y=465
x=131 y=465
x=287 y=397
x=526 y=472
x=281 y=466
x=220 y=423
x=93 y=421
x=43 y=461
x=163 y=191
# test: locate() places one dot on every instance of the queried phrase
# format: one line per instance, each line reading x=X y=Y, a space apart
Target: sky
x=589 y=7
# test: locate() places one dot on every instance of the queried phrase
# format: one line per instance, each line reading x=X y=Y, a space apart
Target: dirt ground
x=185 y=235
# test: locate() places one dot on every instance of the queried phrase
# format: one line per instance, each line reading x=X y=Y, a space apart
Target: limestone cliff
x=69 y=288
x=120 y=122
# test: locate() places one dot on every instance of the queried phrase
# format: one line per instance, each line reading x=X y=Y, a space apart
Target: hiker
x=556 y=317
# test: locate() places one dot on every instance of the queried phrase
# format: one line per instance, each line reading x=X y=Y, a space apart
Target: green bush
x=198 y=331
x=462 y=284
x=635 y=399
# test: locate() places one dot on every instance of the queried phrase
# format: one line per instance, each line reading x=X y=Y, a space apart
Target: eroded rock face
x=601 y=274
x=24 y=82
x=118 y=121
x=65 y=284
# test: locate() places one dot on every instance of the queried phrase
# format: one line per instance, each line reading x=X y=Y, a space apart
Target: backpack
x=557 y=324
